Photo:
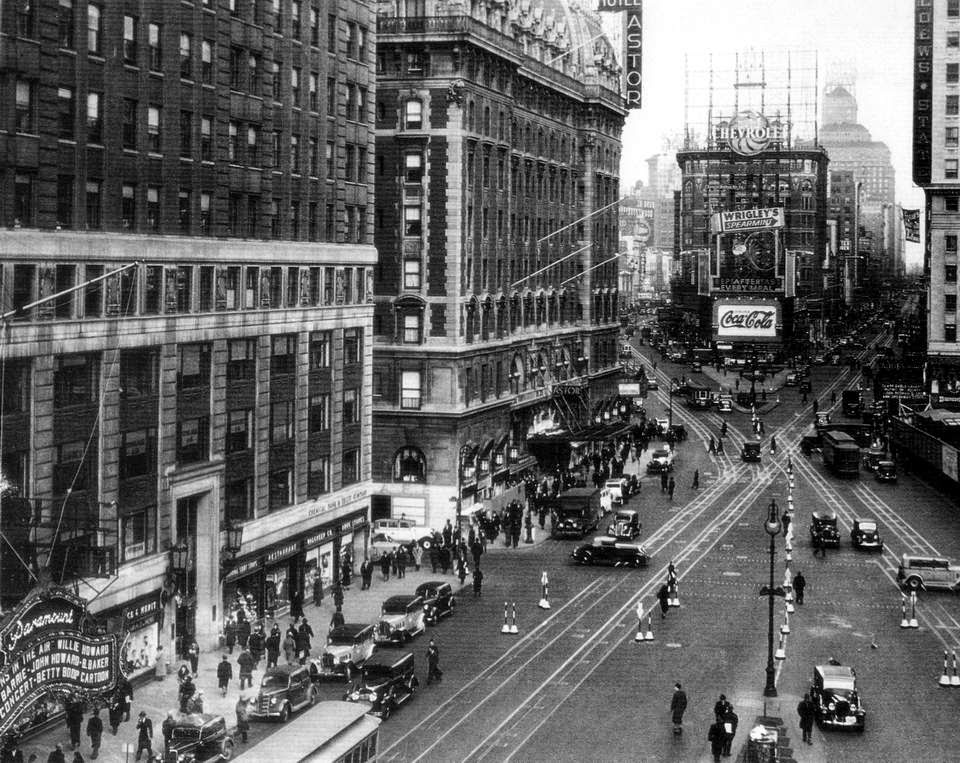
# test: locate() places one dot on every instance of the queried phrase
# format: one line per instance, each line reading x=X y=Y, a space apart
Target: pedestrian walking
x=385 y=566
x=461 y=569
x=476 y=551
x=246 y=663
x=721 y=706
x=477 y=581
x=183 y=672
x=193 y=654
x=434 y=556
x=224 y=674
x=417 y=554
x=318 y=590
x=711 y=448
x=144 y=735
x=296 y=603
x=723 y=429
x=243 y=629
x=257 y=644
x=815 y=406
x=125 y=692
x=185 y=693
x=678 y=705
x=696 y=479
x=273 y=648
x=55 y=756
x=730 y=722
x=230 y=634
x=716 y=738
x=114 y=713
x=401 y=555
x=366 y=573
x=95 y=732
x=433 y=663
x=671 y=486
x=719 y=447
x=663 y=596
x=74 y=717
x=289 y=648
x=166 y=728
x=243 y=717
x=445 y=559
x=773 y=443
x=799 y=584
x=663 y=482
x=807 y=712
x=833 y=398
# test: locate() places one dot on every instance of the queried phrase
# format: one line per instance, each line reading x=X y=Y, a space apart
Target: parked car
x=652 y=383
x=401 y=618
x=437 y=598
x=284 y=689
x=835 y=697
x=387 y=680
x=750 y=452
x=886 y=471
x=677 y=431
x=348 y=647
x=823 y=529
x=662 y=425
x=791 y=380
x=380 y=544
x=872 y=459
x=199 y=737
x=724 y=404
x=866 y=534
x=661 y=460
x=626 y=525
x=617 y=488
x=403 y=531
x=916 y=572
x=606 y=550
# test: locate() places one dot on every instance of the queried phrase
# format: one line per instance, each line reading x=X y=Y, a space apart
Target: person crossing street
x=433 y=663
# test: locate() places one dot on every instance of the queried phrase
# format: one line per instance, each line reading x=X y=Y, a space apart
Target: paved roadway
x=573 y=685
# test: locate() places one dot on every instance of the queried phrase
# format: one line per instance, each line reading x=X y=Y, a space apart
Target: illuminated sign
x=628 y=389
x=632 y=47
x=745 y=285
x=922 y=90
x=763 y=218
x=735 y=319
x=44 y=649
x=749 y=133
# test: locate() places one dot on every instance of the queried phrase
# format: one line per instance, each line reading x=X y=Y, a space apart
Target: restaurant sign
x=45 y=647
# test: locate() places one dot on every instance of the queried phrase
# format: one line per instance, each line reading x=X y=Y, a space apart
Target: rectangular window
x=952 y=137
x=128 y=206
x=66 y=110
x=283 y=356
x=186 y=48
x=313 y=157
x=413 y=167
x=239 y=500
x=153 y=129
x=72 y=470
x=320 y=349
x=184 y=288
x=206 y=139
x=295 y=20
x=153 y=207
x=281 y=488
x=128 y=124
x=153 y=289
x=953 y=9
x=92 y=293
x=186 y=133
x=331 y=33
x=312 y=94
x=331 y=168
x=16 y=394
x=953 y=39
x=410 y=390
x=206 y=62
x=193 y=437
x=351 y=407
x=241 y=359
x=951 y=204
x=184 y=208
x=65 y=279
x=950 y=273
x=236 y=68
x=206 y=275
x=295 y=85
x=953 y=73
x=331 y=97
x=76 y=380
x=139 y=373
x=23 y=199
x=275 y=230
x=193 y=371
x=413 y=115
x=351 y=466
x=154 y=45
x=24 y=106
x=94 y=28
x=411 y=328
x=950 y=303
x=94 y=118
x=950 y=332
x=411 y=221
x=138 y=453
x=65 y=201
x=950 y=169
x=411 y=274
x=276 y=148
x=275 y=82
x=950 y=244
x=253 y=74
x=313 y=223
x=953 y=105
x=314 y=26
x=318 y=476
x=93 y=205
x=239 y=431
x=352 y=346
x=319 y=412
x=65 y=24
x=295 y=154
x=251 y=288
x=139 y=536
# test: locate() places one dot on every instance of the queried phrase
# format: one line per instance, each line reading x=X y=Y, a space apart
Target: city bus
x=330 y=732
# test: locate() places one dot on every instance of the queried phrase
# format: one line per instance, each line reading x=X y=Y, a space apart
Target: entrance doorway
x=186 y=601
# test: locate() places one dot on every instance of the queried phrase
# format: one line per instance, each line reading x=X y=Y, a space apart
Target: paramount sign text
x=743 y=320
x=747 y=220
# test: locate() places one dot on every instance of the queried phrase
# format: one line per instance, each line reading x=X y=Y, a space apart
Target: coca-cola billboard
x=739 y=319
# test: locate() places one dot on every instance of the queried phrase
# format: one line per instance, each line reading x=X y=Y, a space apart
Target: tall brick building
x=498 y=145
x=202 y=171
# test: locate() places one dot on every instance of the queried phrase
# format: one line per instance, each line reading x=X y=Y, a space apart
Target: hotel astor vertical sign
x=633 y=47
x=922 y=90
x=44 y=647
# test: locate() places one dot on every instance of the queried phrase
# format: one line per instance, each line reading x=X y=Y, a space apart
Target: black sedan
x=611 y=552
x=437 y=600
x=866 y=534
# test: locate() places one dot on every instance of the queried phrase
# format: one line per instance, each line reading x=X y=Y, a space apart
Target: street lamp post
x=674 y=384
x=772 y=526
x=461 y=467
x=753 y=379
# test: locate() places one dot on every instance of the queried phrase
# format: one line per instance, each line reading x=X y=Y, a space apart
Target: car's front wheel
x=426 y=542
x=285 y=714
x=226 y=749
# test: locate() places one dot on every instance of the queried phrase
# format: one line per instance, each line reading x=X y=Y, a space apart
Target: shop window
x=138 y=453
x=75 y=380
x=239 y=500
x=283 y=356
x=318 y=475
x=139 y=373
x=137 y=530
x=409 y=465
x=192 y=440
x=319 y=412
x=281 y=488
x=410 y=390
x=239 y=430
x=351 y=466
x=194 y=368
x=351 y=406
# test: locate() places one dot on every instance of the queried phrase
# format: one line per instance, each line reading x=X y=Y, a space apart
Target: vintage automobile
x=662 y=425
x=678 y=432
x=696 y=365
x=348 y=647
x=821 y=419
x=819 y=360
x=380 y=544
x=724 y=404
x=199 y=737
x=403 y=531
x=835 y=697
x=387 y=680
x=916 y=572
x=872 y=459
x=437 y=598
x=791 y=380
x=652 y=382
x=284 y=689
x=805 y=386
x=823 y=529
x=626 y=525
x=661 y=460
x=605 y=550
x=866 y=534
x=886 y=471
x=401 y=618
x=617 y=488
x=750 y=452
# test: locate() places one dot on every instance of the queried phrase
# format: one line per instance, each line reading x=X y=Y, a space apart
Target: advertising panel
x=739 y=220
x=922 y=90
x=739 y=320
x=750 y=133
x=628 y=389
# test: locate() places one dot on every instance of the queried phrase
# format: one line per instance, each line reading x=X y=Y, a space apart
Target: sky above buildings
x=872 y=39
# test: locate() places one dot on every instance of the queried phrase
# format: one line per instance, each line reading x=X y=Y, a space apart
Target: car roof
x=626 y=513
x=864 y=521
x=432 y=585
x=197 y=720
x=885 y=463
x=285 y=670
x=824 y=515
x=837 y=674
x=404 y=599
x=387 y=659
x=350 y=630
